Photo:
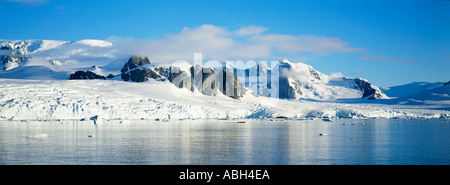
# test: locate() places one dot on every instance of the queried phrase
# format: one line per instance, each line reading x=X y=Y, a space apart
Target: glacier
x=35 y=85
x=156 y=100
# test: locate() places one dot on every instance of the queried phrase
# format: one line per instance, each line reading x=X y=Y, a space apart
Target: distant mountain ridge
x=420 y=93
x=411 y=88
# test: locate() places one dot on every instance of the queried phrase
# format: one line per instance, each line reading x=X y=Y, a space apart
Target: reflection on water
x=343 y=141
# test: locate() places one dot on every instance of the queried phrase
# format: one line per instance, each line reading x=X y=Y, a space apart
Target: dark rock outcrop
x=314 y=73
x=181 y=79
x=110 y=76
x=286 y=91
x=205 y=79
x=85 y=75
x=140 y=75
x=12 y=55
x=368 y=89
x=134 y=62
x=132 y=71
x=230 y=85
x=285 y=88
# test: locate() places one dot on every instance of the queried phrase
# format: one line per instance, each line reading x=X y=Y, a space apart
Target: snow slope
x=56 y=57
x=410 y=89
x=435 y=96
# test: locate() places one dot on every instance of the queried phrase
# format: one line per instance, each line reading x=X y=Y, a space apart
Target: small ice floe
x=125 y=121
x=327 y=120
x=91 y=135
x=38 y=136
x=323 y=134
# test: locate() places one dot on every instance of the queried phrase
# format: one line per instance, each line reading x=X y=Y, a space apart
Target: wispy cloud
x=385 y=59
x=31 y=2
x=305 y=43
x=218 y=43
x=250 y=30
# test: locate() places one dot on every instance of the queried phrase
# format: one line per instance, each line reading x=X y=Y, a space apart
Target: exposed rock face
x=205 y=79
x=12 y=55
x=230 y=85
x=286 y=89
x=314 y=73
x=163 y=71
x=180 y=79
x=291 y=80
x=140 y=75
x=135 y=61
x=132 y=71
x=368 y=89
x=202 y=78
x=85 y=75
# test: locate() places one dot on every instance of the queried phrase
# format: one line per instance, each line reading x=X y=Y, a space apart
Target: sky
x=388 y=42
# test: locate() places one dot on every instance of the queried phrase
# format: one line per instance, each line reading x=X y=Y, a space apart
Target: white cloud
x=305 y=43
x=250 y=30
x=334 y=75
x=114 y=38
x=218 y=43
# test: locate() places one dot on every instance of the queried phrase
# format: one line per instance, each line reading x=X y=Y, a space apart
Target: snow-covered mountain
x=410 y=89
x=287 y=80
x=40 y=79
x=423 y=93
x=50 y=59
x=95 y=59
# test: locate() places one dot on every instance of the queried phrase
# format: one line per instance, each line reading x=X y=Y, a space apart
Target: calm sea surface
x=343 y=141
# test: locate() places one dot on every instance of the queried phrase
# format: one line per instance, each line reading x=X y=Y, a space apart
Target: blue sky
x=387 y=42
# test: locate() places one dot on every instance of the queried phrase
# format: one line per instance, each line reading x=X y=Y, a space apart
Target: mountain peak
x=284 y=60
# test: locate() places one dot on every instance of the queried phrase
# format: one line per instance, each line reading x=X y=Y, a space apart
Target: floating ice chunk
x=125 y=121
x=38 y=136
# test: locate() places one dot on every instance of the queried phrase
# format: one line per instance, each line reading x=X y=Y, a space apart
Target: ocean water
x=342 y=141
